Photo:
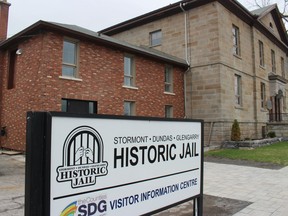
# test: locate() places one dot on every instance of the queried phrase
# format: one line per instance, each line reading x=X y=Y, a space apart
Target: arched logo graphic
x=82 y=158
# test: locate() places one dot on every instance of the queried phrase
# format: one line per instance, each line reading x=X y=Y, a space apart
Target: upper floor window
x=271 y=25
x=129 y=71
x=168 y=111
x=273 y=61
x=156 y=38
x=282 y=67
x=129 y=108
x=263 y=94
x=236 y=40
x=168 y=78
x=238 y=90
x=261 y=53
x=69 y=58
x=78 y=106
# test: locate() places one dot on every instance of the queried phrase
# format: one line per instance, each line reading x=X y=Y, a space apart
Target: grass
x=276 y=153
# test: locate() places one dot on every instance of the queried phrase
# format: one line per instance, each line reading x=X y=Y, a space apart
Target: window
x=271 y=25
x=237 y=85
x=69 y=58
x=273 y=61
x=129 y=71
x=282 y=67
x=168 y=111
x=11 y=70
x=236 y=40
x=156 y=38
x=129 y=108
x=168 y=78
x=263 y=95
x=261 y=53
x=79 y=106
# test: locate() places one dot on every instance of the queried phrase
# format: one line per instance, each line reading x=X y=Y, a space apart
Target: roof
x=86 y=34
x=251 y=18
x=260 y=11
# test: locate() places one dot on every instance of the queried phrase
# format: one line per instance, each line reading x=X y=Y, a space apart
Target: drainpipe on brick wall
x=186 y=56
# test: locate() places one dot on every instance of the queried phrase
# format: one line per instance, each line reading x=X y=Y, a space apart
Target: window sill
x=262 y=67
x=237 y=56
x=169 y=93
x=156 y=45
x=130 y=87
x=70 y=78
x=237 y=106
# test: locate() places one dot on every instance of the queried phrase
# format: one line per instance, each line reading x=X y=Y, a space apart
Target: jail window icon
x=82 y=146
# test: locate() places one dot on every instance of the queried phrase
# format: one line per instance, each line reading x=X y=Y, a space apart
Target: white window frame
x=129 y=70
x=168 y=111
x=155 y=38
x=238 y=89
x=236 y=40
x=273 y=61
x=261 y=54
x=263 y=94
x=168 y=79
x=283 y=67
x=129 y=108
x=71 y=65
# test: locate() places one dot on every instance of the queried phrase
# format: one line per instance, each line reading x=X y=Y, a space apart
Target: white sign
x=105 y=166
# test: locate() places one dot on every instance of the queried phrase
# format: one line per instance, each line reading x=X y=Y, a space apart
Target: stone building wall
x=210 y=82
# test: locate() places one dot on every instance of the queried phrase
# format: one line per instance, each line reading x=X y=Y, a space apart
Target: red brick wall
x=4 y=11
x=39 y=88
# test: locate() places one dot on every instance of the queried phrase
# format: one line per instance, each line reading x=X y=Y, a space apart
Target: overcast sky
x=92 y=14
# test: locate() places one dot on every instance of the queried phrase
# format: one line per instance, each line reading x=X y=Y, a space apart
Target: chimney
x=4 y=12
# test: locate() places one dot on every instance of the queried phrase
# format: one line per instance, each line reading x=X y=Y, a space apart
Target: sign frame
x=38 y=160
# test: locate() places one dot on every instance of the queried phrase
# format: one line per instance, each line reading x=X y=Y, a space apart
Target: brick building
x=237 y=58
x=57 y=67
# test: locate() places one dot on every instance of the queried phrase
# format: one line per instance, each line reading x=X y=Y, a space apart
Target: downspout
x=254 y=82
x=186 y=33
x=186 y=57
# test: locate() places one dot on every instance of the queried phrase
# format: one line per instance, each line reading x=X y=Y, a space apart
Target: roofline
x=43 y=25
x=154 y=15
x=232 y=5
x=268 y=10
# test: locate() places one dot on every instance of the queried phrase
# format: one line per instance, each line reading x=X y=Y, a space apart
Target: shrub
x=235 y=131
x=271 y=134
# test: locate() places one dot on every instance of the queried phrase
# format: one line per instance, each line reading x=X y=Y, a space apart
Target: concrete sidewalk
x=12 y=180
x=266 y=189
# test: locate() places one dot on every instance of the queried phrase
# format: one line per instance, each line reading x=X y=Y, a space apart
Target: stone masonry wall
x=210 y=84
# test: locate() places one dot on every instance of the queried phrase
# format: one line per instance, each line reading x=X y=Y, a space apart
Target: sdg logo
x=82 y=159
x=80 y=208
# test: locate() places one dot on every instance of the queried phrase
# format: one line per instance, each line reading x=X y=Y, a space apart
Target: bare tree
x=262 y=3
x=282 y=5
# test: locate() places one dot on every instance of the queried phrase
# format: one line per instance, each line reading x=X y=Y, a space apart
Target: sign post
x=111 y=165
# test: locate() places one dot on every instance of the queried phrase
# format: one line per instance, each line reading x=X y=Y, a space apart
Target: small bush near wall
x=271 y=134
x=235 y=131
